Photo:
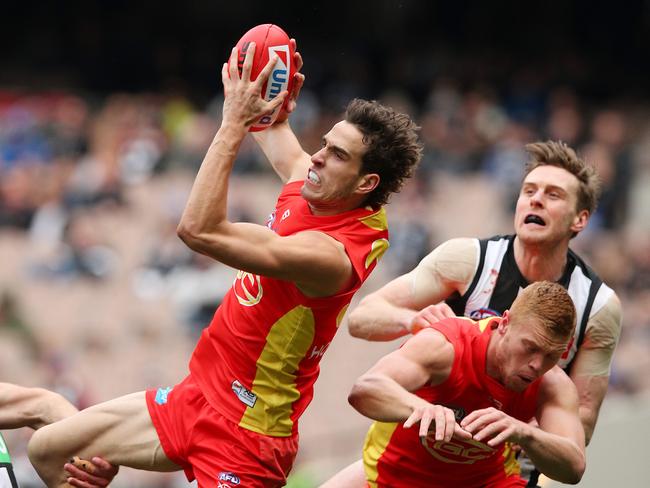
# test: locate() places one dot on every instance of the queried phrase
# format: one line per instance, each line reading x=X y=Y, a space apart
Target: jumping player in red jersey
x=472 y=387
x=233 y=421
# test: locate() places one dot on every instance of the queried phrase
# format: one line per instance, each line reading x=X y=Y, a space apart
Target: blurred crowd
x=98 y=297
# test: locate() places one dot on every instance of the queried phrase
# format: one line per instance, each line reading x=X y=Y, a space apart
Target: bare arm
x=389 y=312
x=284 y=152
x=384 y=392
x=314 y=261
x=591 y=366
x=31 y=407
x=557 y=446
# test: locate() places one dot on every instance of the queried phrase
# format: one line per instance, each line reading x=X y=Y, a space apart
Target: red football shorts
x=509 y=482
x=213 y=450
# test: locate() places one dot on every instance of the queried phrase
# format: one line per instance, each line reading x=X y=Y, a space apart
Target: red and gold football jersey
x=258 y=360
x=396 y=457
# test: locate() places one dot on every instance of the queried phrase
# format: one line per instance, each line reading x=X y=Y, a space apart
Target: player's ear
x=368 y=182
x=505 y=321
x=580 y=221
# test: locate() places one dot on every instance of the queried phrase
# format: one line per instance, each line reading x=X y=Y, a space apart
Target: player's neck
x=325 y=208
x=492 y=360
x=540 y=262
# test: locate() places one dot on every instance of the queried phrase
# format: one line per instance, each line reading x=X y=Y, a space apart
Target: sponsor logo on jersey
x=483 y=313
x=229 y=477
x=318 y=351
x=245 y=396
x=161 y=395
x=248 y=288
x=456 y=451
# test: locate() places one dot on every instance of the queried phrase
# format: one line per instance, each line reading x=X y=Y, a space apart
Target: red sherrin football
x=269 y=39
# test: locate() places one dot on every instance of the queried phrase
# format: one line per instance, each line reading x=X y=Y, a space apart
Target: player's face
x=546 y=208
x=528 y=351
x=333 y=179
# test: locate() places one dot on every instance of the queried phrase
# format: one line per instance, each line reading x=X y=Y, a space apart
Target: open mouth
x=313 y=178
x=534 y=219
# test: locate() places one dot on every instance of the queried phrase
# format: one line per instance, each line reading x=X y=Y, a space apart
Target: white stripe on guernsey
x=579 y=286
x=480 y=297
x=602 y=297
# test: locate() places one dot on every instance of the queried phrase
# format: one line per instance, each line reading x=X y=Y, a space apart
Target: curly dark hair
x=393 y=150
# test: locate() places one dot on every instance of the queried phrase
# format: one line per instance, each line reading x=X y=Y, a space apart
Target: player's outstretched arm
x=408 y=303
x=31 y=407
x=591 y=366
x=384 y=392
x=279 y=143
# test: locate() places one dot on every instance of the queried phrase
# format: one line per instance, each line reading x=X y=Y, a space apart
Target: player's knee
x=40 y=447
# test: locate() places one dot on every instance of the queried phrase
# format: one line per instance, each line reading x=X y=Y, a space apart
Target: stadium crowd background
x=106 y=109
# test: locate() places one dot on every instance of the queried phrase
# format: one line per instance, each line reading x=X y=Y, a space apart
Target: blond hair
x=558 y=153
x=550 y=304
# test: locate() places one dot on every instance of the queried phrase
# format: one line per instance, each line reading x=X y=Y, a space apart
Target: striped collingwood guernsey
x=498 y=281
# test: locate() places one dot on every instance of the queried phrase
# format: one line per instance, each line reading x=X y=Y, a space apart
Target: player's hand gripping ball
x=269 y=39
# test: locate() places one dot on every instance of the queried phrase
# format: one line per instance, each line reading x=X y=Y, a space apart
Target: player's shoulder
x=458 y=250
x=454 y=329
x=432 y=344
x=556 y=383
x=459 y=244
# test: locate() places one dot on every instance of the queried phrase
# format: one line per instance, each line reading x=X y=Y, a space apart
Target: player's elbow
x=579 y=470
x=192 y=235
x=361 y=318
x=573 y=474
x=355 y=322
x=362 y=390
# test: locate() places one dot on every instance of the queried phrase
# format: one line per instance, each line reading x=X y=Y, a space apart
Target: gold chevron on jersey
x=377 y=250
x=375 y=445
x=376 y=220
x=287 y=344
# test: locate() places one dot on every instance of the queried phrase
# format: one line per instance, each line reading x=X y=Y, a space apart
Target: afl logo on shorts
x=228 y=477
x=247 y=288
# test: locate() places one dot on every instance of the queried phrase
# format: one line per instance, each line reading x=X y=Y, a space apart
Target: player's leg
x=120 y=430
x=351 y=476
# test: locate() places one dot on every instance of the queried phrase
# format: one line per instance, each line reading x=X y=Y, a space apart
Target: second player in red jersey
x=470 y=388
